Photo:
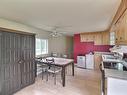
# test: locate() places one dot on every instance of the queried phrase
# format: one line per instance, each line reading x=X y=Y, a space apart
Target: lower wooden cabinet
x=97 y=59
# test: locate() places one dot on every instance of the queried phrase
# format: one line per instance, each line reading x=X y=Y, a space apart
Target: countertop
x=112 y=72
x=110 y=58
x=97 y=52
x=116 y=74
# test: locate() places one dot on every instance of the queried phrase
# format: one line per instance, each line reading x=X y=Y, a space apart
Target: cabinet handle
x=116 y=39
x=120 y=37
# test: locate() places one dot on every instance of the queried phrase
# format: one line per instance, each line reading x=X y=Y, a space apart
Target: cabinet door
x=121 y=29
x=84 y=37
x=120 y=10
x=105 y=38
x=10 y=67
x=28 y=55
x=121 y=32
x=124 y=36
x=90 y=37
x=97 y=60
x=117 y=32
x=98 y=39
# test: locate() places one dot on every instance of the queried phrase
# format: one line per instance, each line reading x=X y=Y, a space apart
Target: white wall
x=55 y=44
x=21 y=27
x=58 y=44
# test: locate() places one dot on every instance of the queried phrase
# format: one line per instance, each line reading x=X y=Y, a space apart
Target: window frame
x=41 y=50
x=112 y=38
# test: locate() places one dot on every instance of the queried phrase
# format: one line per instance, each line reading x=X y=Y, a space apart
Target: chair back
x=54 y=54
x=50 y=64
x=64 y=56
x=50 y=61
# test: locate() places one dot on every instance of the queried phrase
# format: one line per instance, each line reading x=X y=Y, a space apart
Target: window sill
x=42 y=54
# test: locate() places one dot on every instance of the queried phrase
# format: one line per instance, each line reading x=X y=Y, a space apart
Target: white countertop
x=116 y=74
x=97 y=52
x=112 y=72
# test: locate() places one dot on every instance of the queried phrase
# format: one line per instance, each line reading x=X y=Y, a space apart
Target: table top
x=58 y=61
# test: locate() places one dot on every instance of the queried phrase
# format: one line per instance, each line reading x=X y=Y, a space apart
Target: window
x=41 y=46
x=112 y=38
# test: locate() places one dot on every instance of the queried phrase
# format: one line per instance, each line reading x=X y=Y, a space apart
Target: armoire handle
x=20 y=61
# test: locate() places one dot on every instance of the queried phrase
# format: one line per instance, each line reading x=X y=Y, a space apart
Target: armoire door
x=10 y=67
x=17 y=67
x=0 y=63
x=27 y=57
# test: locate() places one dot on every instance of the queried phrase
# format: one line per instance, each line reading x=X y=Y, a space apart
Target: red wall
x=86 y=47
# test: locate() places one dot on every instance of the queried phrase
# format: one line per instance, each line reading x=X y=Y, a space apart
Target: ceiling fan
x=56 y=32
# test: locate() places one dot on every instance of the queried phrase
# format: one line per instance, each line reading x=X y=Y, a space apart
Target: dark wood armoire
x=17 y=61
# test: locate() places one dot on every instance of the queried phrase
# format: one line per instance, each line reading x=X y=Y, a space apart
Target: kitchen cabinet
x=119 y=24
x=120 y=11
x=99 y=38
x=121 y=30
x=106 y=38
x=87 y=37
x=83 y=37
x=97 y=59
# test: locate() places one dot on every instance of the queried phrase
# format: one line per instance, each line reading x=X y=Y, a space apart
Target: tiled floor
x=85 y=82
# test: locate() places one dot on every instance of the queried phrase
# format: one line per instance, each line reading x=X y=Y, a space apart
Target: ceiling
x=71 y=16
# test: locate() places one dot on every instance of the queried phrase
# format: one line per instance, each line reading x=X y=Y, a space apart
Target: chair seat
x=56 y=70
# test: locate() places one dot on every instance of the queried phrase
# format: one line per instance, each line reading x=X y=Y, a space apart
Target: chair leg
x=42 y=74
x=61 y=76
x=55 y=79
x=47 y=76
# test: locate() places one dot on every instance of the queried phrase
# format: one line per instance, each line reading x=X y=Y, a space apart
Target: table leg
x=72 y=69
x=63 y=76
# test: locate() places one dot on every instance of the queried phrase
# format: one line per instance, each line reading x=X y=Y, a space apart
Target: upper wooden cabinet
x=86 y=37
x=99 y=38
x=120 y=11
x=106 y=38
x=119 y=24
x=121 y=30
